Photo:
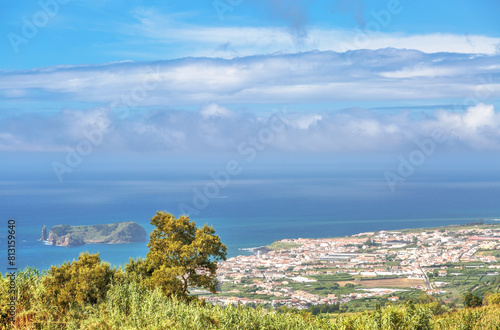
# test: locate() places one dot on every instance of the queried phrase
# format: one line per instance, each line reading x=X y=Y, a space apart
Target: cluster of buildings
x=300 y=299
x=374 y=255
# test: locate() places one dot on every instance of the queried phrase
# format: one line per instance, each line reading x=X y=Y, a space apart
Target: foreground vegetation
x=129 y=305
x=153 y=293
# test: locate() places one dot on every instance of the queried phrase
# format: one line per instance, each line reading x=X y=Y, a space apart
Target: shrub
x=84 y=281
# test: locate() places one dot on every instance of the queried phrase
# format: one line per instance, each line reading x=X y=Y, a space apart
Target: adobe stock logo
x=95 y=133
x=224 y=6
x=408 y=165
x=30 y=27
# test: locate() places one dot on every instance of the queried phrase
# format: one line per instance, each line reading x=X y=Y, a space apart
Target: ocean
x=262 y=204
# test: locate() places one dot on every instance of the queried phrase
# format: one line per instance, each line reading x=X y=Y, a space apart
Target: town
x=385 y=264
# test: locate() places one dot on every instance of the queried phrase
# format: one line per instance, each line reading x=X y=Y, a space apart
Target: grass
x=131 y=306
x=449 y=228
x=334 y=277
x=385 y=283
x=495 y=253
x=279 y=245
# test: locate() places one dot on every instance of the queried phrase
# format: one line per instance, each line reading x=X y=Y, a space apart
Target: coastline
x=33 y=253
x=479 y=223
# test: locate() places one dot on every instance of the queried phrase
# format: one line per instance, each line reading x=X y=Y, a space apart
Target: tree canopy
x=86 y=280
x=180 y=256
x=471 y=300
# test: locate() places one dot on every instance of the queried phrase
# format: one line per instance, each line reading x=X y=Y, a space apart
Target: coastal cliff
x=113 y=233
x=44 y=233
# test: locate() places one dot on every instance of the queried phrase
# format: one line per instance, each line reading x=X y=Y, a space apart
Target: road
x=426 y=278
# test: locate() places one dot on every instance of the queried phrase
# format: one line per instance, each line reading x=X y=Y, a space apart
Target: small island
x=113 y=233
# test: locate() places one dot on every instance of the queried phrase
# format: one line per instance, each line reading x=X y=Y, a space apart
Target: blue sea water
x=260 y=205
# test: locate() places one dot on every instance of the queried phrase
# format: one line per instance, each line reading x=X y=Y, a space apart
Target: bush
x=79 y=282
x=471 y=300
x=494 y=299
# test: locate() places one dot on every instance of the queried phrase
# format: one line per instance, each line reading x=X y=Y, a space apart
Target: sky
x=236 y=76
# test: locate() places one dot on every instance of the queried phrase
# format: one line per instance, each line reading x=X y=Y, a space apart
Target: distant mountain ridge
x=113 y=233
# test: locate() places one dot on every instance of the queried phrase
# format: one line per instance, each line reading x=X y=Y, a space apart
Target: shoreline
x=480 y=222
x=120 y=256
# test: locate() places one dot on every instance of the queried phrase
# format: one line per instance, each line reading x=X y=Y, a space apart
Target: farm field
x=385 y=283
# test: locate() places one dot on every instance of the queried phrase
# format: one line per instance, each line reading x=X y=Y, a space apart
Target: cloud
x=311 y=77
x=34 y=132
x=478 y=127
x=304 y=121
x=215 y=128
x=215 y=110
x=291 y=34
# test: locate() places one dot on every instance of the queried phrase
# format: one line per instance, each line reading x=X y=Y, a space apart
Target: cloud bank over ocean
x=212 y=104
x=215 y=128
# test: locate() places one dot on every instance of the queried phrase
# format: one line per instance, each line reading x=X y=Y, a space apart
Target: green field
x=495 y=253
x=278 y=245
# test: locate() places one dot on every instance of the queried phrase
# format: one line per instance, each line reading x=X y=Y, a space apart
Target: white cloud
x=163 y=131
x=312 y=77
x=421 y=71
x=194 y=40
x=480 y=116
x=215 y=110
x=478 y=127
x=304 y=121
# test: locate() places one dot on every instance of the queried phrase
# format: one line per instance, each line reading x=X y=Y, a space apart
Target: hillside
x=113 y=233
x=131 y=306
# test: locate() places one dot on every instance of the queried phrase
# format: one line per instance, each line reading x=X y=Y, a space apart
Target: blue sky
x=94 y=32
x=347 y=76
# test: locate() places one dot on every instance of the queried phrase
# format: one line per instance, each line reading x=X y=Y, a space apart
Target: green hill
x=113 y=233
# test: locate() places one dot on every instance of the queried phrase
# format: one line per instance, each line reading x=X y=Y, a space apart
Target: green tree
x=180 y=256
x=370 y=242
x=86 y=280
x=471 y=300
x=424 y=298
x=495 y=284
x=486 y=297
x=494 y=299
